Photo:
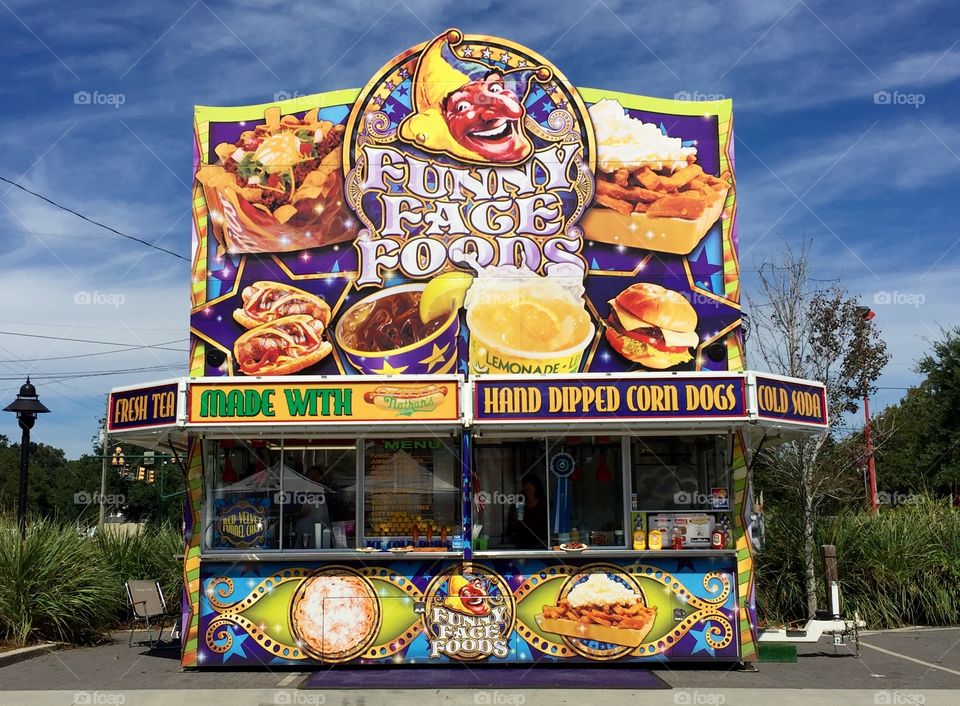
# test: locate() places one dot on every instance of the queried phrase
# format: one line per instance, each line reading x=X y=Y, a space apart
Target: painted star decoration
x=388 y=369
x=486 y=53
x=435 y=358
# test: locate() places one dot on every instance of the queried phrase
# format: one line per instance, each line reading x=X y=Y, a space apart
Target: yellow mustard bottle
x=639 y=534
x=656 y=540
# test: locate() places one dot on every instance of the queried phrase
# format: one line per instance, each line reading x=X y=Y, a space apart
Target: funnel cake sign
x=468 y=211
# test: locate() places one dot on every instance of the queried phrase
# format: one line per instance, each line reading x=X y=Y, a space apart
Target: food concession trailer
x=466 y=375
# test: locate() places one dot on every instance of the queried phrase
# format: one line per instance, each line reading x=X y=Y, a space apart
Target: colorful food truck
x=467 y=375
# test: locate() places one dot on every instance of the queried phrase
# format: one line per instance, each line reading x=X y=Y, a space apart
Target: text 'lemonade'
x=521 y=322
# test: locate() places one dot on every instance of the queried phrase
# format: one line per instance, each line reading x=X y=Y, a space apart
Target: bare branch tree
x=815 y=330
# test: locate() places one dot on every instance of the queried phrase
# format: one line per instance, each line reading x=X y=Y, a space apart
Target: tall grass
x=54 y=585
x=154 y=553
x=898 y=567
x=59 y=585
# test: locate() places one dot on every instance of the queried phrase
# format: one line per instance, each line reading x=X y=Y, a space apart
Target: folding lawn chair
x=146 y=602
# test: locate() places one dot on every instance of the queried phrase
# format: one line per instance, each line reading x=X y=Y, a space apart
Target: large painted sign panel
x=468 y=211
x=435 y=611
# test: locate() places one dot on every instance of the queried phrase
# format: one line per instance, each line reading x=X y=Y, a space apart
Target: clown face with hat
x=467 y=109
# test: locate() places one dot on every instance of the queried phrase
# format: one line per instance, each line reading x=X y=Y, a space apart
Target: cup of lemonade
x=525 y=324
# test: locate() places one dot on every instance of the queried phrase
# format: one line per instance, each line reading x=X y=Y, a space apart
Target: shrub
x=54 y=585
x=898 y=567
x=153 y=553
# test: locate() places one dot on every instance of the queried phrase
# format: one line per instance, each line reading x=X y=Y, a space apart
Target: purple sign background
x=144 y=398
x=712 y=398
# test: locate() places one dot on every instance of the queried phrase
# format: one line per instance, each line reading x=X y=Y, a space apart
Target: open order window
x=276 y=494
x=681 y=486
x=538 y=493
x=412 y=495
x=242 y=478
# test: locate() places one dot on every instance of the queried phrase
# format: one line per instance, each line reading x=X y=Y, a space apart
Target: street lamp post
x=866 y=314
x=27 y=406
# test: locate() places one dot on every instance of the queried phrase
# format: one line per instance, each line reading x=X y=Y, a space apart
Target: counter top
x=324 y=555
x=343 y=555
x=604 y=552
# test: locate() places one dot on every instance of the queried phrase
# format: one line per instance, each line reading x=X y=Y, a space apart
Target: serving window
x=276 y=494
x=411 y=493
x=681 y=490
x=539 y=493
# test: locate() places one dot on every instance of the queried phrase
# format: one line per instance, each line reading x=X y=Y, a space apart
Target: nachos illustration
x=468 y=595
x=467 y=109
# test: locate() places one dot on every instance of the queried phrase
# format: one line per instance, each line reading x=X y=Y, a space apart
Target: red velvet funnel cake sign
x=467 y=211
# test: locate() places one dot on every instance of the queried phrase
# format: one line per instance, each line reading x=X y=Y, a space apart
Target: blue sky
x=869 y=178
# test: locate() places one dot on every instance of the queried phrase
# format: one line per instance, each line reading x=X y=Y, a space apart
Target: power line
x=87 y=340
x=56 y=377
x=91 y=355
x=90 y=220
x=71 y=325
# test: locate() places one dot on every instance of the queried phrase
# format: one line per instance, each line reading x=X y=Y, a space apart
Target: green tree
x=922 y=448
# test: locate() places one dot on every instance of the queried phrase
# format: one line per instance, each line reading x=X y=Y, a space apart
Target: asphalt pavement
x=912 y=666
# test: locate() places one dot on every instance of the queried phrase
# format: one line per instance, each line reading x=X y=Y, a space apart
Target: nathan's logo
x=479 y=168
x=242 y=525
x=469 y=615
x=407 y=400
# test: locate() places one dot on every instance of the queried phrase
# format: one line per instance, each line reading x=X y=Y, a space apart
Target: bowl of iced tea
x=383 y=334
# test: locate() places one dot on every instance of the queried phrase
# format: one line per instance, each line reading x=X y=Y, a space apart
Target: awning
x=773 y=407
x=645 y=403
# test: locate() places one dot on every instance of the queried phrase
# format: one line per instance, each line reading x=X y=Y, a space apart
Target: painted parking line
x=931 y=665
x=290 y=678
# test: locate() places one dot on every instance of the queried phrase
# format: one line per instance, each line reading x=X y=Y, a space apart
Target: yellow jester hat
x=439 y=73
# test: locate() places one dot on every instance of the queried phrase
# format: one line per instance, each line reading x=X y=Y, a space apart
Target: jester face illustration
x=467 y=109
x=468 y=596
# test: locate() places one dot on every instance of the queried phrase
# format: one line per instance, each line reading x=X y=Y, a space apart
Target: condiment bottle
x=717 y=538
x=416 y=534
x=639 y=536
x=575 y=536
x=676 y=538
x=655 y=540
x=443 y=536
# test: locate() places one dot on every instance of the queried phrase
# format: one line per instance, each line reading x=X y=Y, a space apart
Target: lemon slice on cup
x=443 y=295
